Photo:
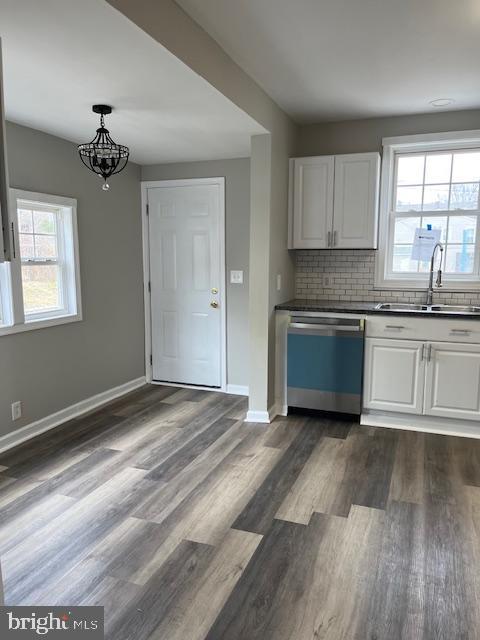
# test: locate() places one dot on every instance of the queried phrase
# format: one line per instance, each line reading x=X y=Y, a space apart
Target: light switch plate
x=236 y=277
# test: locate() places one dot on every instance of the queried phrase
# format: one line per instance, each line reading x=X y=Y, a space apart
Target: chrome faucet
x=438 y=282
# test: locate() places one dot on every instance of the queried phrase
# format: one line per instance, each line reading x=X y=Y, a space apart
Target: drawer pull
x=394 y=326
x=462 y=331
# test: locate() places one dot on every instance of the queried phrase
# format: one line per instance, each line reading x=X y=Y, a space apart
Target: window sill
x=469 y=287
x=32 y=325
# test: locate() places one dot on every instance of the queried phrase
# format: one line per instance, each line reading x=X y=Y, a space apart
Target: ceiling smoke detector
x=442 y=102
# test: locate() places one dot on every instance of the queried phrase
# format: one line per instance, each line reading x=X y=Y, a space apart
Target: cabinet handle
x=329 y=238
x=335 y=238
x=394 y=326
x=429 y=352
x=462 y=331
x=422 y=355
x=14 y=250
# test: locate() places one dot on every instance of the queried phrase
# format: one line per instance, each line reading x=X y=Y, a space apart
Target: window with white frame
x=430 y=184
x=40 y=286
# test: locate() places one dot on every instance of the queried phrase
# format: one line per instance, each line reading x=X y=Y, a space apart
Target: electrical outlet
x=236 y=277
x=327 y=281
x=16 y=410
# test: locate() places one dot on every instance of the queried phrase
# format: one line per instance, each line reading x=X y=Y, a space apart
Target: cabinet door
x=355 y=212
x=394 y=375
x=452 y=388
x=4 y=219
x=313 y=202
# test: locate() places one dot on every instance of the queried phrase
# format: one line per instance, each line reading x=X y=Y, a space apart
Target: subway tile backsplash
x=352 y=277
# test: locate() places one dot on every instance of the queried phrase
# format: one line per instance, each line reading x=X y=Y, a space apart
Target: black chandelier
x=102 y=155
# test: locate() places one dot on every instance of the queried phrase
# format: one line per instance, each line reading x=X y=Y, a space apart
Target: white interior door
x=186 y=238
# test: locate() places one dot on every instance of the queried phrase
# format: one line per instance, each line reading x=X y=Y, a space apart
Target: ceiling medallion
x=102 y=155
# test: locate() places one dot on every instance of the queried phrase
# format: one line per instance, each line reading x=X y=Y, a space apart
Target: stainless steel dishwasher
x=325 y=363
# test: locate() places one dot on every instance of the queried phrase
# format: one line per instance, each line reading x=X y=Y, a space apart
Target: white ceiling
x=326 y=60
x=62 y=56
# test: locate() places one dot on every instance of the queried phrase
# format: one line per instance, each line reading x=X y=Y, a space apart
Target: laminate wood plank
x=115 y=596
x=153 y=603
x=372 y=488
x=194 y=613
x=313 y=489
x=226 y=495
x=407 y=476
x=442 y=475
x=258 y=515
x=398 y=599
x=167 y=469
x=127 y=552
x=169 y=496
x=74 y=586
x=197 y=420
x=381 y=536
x=343 y=600
x=448 y=604
x=239 y=411
x=58 y=545
x=466 y=454
x=17 y=526
x=77 y=480
x=470 y=528
x=282 y=433
x=13 y=488
x=334 y=427
x=189 y=395
x=263 y=603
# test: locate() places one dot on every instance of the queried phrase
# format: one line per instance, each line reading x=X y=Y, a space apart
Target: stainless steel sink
x=399 y=306
x=439 y=308
x=455 y=308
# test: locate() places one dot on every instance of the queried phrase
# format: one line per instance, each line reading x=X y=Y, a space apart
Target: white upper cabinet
x=334 y=201
x=356 y=201
x=313 y=202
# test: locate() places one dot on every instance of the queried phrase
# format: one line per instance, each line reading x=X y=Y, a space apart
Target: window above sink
x=430 y=182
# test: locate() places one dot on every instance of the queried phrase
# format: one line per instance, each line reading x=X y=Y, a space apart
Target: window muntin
x=41 y=254
x=437 y=190
x=41 y=285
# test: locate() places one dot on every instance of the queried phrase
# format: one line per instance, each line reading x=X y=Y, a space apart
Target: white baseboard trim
x=257 y=416
x=264 y=417
x=237 y=389
x=84 y=406
x=426 y=424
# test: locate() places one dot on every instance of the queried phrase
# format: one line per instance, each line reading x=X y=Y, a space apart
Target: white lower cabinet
x=452 y=388
x=394 y=375
x=424 y=378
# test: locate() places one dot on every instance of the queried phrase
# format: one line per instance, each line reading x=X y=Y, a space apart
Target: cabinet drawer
x=415 y=328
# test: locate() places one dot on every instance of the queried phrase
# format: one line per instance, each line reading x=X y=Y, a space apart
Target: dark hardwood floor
x=186 y=523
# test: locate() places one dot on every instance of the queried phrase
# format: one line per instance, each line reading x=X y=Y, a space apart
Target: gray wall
x=237 y=223
x=356 y=136
x=50 y=369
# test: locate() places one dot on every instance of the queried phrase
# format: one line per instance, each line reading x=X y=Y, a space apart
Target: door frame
x=153 y=184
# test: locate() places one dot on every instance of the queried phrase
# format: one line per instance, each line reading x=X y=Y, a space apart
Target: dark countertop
x=331 y=306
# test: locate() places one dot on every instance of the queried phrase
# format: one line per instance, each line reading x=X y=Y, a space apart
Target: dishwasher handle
x=329 y=327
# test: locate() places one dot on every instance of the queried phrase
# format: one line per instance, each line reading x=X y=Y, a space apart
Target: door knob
x=214 y=304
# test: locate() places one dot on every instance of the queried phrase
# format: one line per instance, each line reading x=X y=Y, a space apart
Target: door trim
x=153 y=184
